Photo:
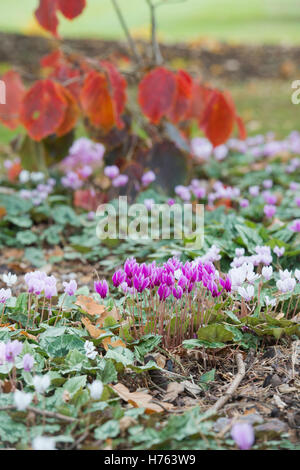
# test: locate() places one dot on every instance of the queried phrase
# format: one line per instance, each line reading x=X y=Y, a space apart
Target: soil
x=213 y=59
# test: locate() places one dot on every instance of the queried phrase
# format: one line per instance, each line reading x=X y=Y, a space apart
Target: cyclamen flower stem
x=29 y=310
x=289 y=305
x=60 y=309
x=43 y=308
x=295 y=309
x=2 y=314
x=49 y=311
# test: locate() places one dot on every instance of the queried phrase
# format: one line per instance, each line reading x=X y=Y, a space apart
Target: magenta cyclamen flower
x=28 y=362
x=12 y=350
x=118 y=278
x=226 y=284
x=70 y=287
x=295 y=227
x=163 y=292
x=177 y=292
x=243 y=435
x=269 y=210
x=140 y=283
x=101 y=287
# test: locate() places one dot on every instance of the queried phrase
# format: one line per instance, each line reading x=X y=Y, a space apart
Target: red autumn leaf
x=71 y=8
x=46 y=15
x=71 y=113
x=88 y=199
x=52 y=60
x=157 y=93
x=119 y=88
x=97 y=102
x=198 y=102
x=43 y=109
x=241 y=128
x=182 y=98
x=219 y=119
x=14 y=171
x=238 y=119
x=14 y=92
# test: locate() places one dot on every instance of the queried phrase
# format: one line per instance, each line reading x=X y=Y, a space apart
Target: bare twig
x=156 y=53
x=130 y=40
x=233 y=386
x=47 y=414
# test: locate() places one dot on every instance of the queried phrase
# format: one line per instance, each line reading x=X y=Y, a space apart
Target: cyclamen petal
x=243 y=435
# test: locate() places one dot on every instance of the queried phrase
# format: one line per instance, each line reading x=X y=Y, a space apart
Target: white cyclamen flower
x=41 y=383
x=247 y=293
x=22 y=400
x=270 y=302
x=239 y=252
x=237 y=277
x=286 y=285
x=43 y=443
x=96 y=389
x=267 y=272
x=297 y=274
x=9 y=279
x=286 y=274
x=90 y=350
x=24 y=176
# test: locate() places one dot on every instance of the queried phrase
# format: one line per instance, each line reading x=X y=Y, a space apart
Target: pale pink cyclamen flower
x=244 y=203
x=70 y=287
x=269 y=210
x=243 y=435
x=279 y=251
x=148 y=178
x=149 y=203
x=5 y=295
x=28 y=362
x=120 y=180
x=111 y=171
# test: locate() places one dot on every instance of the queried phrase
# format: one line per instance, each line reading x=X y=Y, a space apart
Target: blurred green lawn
x=233 y=20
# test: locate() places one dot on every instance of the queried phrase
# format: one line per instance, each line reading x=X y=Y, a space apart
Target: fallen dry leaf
x=108 y=342
x=174 y=389
x=2 y=212
x=160 y=360
x=140 y=400
x=90 y=306
x=92 y=329
x=28 y=335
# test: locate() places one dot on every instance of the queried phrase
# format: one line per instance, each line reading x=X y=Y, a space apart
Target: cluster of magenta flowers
x=173 y=278
x=170 y=299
